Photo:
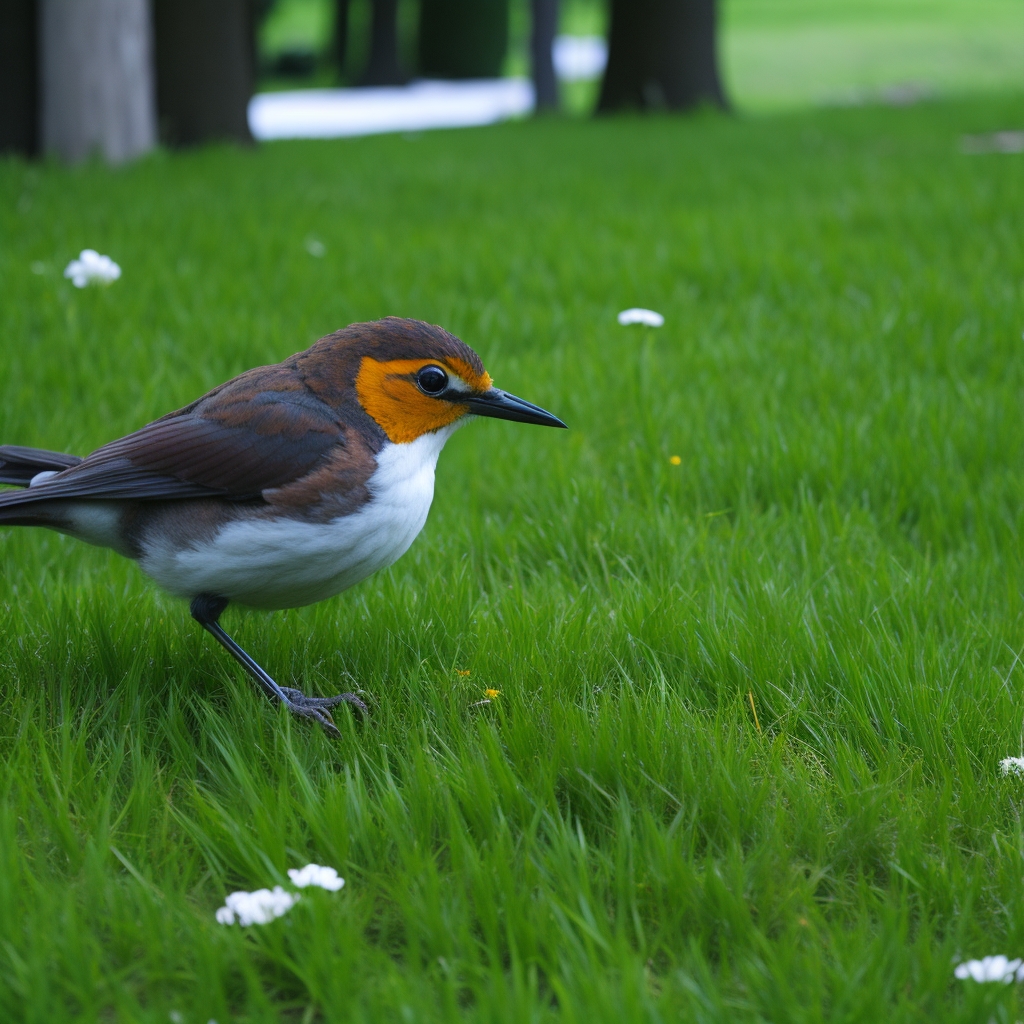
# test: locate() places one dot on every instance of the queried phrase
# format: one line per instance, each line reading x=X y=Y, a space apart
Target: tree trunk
x=628 y=55
x=97 y=78
x=463 y=38
x=340 y=41
x=542 y=41
x=205 y=61
x=661 y=53
x=382 y=67
x=19 y=77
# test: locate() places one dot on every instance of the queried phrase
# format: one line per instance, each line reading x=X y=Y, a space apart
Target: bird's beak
x=504 y=406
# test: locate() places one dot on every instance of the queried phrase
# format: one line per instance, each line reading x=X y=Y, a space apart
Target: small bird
x=279 y=488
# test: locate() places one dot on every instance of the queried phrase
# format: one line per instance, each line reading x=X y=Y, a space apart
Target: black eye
x=432 y=379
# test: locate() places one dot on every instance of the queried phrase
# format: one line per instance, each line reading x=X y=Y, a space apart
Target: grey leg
x=206 y=610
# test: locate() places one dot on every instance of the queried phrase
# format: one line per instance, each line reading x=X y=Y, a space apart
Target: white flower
x=92 y=268
x=259 y=907
x=315 y=247
x=1012 y=766
x=647 y=317
x=992 y=968
x=314 y=874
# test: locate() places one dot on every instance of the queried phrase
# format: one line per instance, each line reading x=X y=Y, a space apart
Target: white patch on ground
x=334 y=113
x=316 y=874
x=578 y=58
x=1012 y=766
x=92 y=268
x=264 y=905
x=991 y=968
x=647 y=317
x=259 y=907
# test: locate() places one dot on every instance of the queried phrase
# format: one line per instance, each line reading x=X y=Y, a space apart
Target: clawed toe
x=317 y=708
x=321 y=715
x=356 y=702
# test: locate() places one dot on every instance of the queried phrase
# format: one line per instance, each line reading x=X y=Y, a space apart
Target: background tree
x=339 y=40
x=19 y=77
x=463 y=38
x=97 y=78
x=544 y=25
x=661 y=53
x=205 y=60
x=382 y=66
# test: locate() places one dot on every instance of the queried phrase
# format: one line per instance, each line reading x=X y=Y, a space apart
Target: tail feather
x=24 y=517
x=18 y=464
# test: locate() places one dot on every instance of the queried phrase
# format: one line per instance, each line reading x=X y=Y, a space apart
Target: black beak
x=504 y=406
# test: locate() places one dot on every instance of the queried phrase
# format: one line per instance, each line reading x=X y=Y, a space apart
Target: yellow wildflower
x=675 y=460
x=491 y=693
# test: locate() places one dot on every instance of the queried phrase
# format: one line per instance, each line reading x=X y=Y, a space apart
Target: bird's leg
x=206 y=610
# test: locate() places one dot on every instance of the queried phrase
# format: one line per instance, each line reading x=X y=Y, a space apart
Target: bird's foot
x=318 y=708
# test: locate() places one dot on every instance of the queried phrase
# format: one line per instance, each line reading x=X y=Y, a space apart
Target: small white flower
x=1012 y=766
x=314 y=874
x=647 y=317
x=315 y=247
x=992 y=968
x=92 y=268
x=259 y=907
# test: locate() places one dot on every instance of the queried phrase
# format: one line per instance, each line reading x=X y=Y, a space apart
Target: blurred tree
x=661 y=53
x=205 y=63
x=96 y=78
x=542 y=41
x=382 y=66
x=463 y=38
x=340 y=39
x=19 y=77
x=261 y=10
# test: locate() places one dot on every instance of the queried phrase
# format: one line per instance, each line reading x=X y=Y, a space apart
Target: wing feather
x=235 y=447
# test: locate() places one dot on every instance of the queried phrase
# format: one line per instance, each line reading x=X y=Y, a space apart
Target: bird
x=279 y=488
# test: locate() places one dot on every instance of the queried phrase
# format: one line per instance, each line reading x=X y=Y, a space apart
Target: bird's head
x=413 y=378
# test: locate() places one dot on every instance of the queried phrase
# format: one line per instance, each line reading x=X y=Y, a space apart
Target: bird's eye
x=432 y=379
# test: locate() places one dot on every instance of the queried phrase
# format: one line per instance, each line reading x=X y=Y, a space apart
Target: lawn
x=785 y=53
x=615 y=836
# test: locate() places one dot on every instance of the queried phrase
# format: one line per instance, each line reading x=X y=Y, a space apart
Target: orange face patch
x=477 y=381
x=389 y=394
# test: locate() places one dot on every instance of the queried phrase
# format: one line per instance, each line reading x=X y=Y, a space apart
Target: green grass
x=613 y=838
x=785 y=53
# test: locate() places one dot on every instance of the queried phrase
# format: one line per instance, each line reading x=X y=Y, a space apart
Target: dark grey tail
x=18 y=465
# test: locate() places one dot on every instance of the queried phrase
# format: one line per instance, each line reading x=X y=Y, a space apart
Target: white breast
x=284 y=563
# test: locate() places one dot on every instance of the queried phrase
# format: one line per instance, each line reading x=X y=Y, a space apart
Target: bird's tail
x=19 y=465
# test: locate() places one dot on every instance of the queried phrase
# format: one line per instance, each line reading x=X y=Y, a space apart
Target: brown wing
x=262 y=430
